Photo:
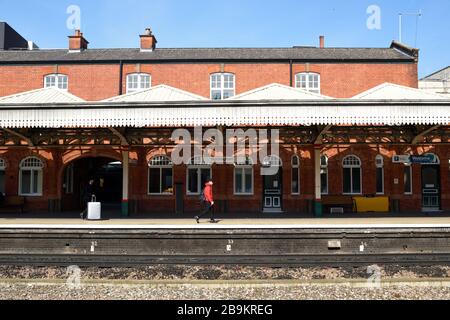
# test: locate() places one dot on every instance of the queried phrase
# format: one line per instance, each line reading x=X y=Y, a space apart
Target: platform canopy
x=273 y=105
x=49 y=95
x=390 y=91
x=276 y=91
x=161 y=93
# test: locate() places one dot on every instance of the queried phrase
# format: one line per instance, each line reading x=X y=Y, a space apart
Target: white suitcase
x=94 y=210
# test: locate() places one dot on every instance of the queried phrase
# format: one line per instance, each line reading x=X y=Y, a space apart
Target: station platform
x=280 y=221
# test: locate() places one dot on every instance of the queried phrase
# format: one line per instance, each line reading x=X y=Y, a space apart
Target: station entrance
x=106 y=174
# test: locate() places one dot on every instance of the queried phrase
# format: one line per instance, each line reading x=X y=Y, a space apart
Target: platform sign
x=408 y=159
x=424 y=159
x=405 y=158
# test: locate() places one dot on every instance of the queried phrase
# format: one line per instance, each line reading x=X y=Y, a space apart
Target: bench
x=339 y=201
x=12 y=203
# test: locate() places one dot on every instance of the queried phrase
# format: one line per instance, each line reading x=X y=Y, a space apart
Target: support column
x=125 y=181
x=317 y=184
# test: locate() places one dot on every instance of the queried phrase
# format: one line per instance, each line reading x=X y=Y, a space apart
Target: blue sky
x=237 y=23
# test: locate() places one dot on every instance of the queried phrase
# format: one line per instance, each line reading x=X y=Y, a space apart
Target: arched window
x=379 y=164
x=2 y=175
x=243 y=177
x=324 y=174
x=160 y=175
x=198 y=173
x=308 y=81
x=30 y=177
x=138 y=81
x=295 y=176
x=352 y=175
x=60 y=81
x=222 y=86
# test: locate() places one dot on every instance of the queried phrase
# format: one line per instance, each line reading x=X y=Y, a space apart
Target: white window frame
x=197 y=163
x=58 y=80
x=298 y=81
x=222 y=84
x=409 y=166
x=159 y=162
x=68 y=179
x=352 y=166
x=35 y=168
x=140 y=82
x=3 y=168
x=295 y=166
x=243 y=167
x=324 y=167
x=379 y=164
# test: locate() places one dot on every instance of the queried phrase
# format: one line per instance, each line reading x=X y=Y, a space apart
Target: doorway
x=107 y=176
x=273 y=185
x=431 y=188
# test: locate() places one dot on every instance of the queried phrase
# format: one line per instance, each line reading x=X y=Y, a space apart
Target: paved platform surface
x=381 y=221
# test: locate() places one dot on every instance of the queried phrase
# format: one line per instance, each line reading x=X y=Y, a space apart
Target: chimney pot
x=322 y=42
x=77 y=42
x=148 y=41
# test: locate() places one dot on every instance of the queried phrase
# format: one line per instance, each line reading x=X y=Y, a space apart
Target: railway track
x=276 y=248
x=266 y=261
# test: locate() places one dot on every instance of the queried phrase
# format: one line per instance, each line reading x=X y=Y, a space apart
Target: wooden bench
x=11 y=203
x=338 y=201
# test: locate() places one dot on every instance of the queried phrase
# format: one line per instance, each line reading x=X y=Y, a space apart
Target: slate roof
x=207 y=54
x=443 y=74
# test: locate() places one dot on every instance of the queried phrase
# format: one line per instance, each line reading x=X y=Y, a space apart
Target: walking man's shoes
x=213 y=221
x=197 y=219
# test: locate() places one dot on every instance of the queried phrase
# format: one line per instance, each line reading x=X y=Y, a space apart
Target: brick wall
x=101 y=81
x=55 y=162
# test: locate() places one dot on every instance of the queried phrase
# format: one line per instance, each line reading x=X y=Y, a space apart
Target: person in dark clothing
x=207 y=202
x=88 y=192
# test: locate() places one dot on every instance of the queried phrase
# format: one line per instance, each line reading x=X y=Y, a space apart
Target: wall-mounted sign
x=405 y=158
x=425 y=159
x=428 y=158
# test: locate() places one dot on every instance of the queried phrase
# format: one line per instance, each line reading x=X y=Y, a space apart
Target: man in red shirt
x=207 y=200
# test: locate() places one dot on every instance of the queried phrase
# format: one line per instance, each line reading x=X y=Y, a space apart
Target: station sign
x=412 y=159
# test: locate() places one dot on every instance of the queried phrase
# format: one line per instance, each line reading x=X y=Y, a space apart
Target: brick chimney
x=77 y=42
x=148 y=41
x=322 y=42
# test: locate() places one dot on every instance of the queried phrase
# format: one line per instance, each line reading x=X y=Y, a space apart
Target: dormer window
x=138 y=82
x=222 y=86
x=308 y=81
x=59 y=81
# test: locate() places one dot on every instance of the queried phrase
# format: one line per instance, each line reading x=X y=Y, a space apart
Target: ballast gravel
x=230 y=283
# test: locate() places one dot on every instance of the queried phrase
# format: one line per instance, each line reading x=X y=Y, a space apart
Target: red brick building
x=108 y=114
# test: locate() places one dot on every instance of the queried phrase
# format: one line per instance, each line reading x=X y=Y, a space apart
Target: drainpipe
x=290 y=74
x=120 y=77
